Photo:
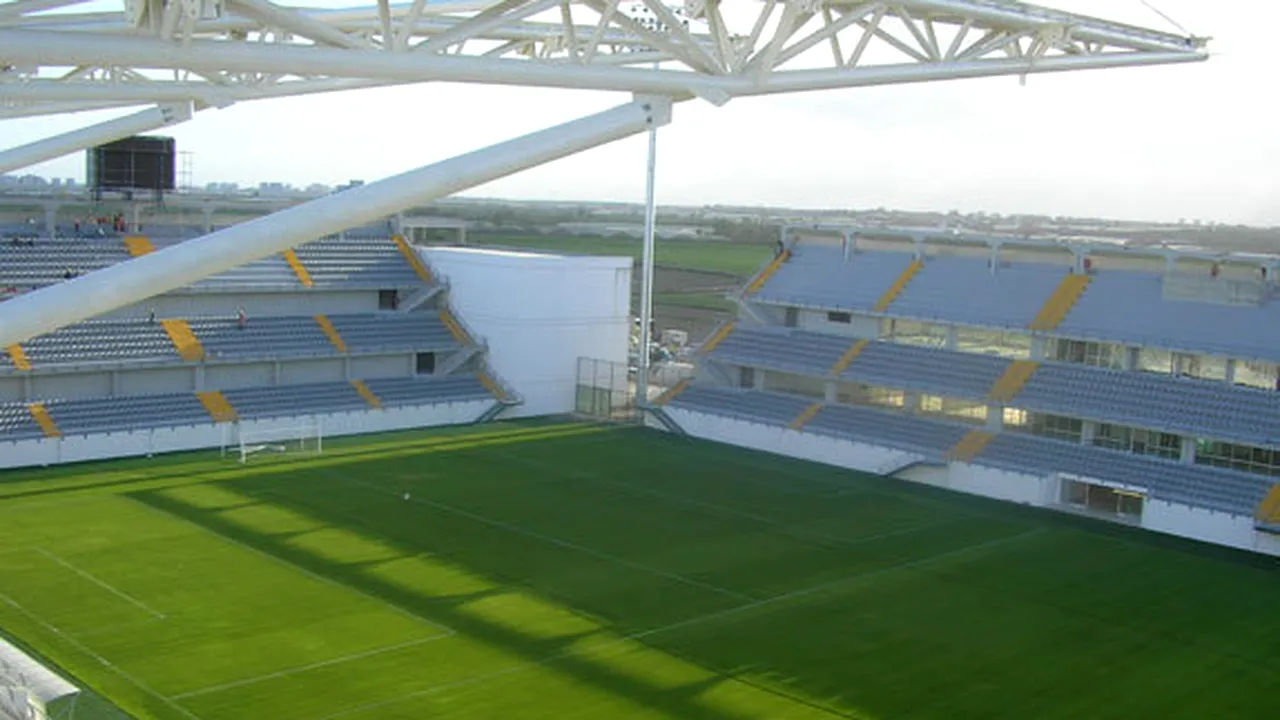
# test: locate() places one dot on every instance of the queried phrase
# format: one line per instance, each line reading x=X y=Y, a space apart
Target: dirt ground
x=698 y=322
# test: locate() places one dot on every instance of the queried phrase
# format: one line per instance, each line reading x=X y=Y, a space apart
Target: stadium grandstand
x=1136 y=384
x=352 y=332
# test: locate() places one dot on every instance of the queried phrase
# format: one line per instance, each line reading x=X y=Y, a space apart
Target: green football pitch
x=572 y=570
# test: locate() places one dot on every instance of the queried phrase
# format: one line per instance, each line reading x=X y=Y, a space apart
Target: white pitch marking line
x=447 y=631
x=312 y=666
x=803 y=592
x=510 y=527
x=101 y=583
x=101 y=660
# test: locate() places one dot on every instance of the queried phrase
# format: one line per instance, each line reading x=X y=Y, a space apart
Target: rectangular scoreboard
x=135 y=163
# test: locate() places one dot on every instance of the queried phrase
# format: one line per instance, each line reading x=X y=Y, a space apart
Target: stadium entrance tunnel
x=1094 y=498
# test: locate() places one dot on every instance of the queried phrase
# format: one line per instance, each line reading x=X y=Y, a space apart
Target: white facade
x=539 y=314
x=1219 y=528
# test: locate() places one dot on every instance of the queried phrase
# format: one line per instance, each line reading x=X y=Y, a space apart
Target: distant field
x=701 y=301
x=543 y=570
x=737 y=258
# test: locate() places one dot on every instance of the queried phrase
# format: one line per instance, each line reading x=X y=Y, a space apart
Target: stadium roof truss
x=178 y=57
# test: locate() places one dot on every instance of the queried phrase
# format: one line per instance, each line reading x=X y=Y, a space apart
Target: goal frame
x=305 y=437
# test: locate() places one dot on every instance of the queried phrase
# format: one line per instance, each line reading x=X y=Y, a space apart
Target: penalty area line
x=100 y=659
x=311 y=666
x=102 y=584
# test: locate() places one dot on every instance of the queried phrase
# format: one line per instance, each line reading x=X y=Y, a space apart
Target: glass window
x=839 y=317
x=1245 y=458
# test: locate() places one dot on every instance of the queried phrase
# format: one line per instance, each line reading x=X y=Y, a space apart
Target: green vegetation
x=700 y=301
x=583 y=571
x=741 y=259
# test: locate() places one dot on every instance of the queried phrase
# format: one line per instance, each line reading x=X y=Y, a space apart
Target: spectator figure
x=151 y=316
x=77 y=227
x=67 y=274
x=242 y=319
x=779 y=248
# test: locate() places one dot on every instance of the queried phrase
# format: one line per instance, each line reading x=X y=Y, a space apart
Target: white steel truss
x=216 y=52
x=182 y=56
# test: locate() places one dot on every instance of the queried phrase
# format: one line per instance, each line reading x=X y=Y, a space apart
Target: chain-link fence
x=607 y=389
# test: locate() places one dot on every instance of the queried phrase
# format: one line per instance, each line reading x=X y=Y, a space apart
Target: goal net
x=306 y=439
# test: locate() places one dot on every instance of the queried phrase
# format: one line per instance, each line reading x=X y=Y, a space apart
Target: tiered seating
x=142 y=412
x=1198 y=485
x=965 y=290
x=123 y=414
x=1182 y=405
x=16 y=423
x=48 y=260
x=139 y=340
x=423 y=332
x=819 y=276
x=357 y=262
x=776 y=349
x=419 y=391
x=1128 y=306
x=268 y=273
x=942 y=372
x=758 y=407
x=100 y=341
x=903 y=432
x=286 y=400
x=261 y=337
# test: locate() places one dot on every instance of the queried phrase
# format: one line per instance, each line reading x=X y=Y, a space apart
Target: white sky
x=1164 y=143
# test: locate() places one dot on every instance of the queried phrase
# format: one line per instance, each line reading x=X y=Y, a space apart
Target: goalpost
x=306 y=438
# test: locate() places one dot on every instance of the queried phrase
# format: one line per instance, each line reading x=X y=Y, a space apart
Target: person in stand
x=151 y=316
x=242 y=319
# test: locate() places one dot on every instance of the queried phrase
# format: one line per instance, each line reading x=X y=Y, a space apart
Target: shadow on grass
x=377 y=521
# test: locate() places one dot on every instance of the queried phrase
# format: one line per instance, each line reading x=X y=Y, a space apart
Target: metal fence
x=606 y=389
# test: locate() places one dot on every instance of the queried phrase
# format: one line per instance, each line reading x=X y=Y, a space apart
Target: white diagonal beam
x=296 y=22
x=87 y=137
x=176 y=266
x=490 y=19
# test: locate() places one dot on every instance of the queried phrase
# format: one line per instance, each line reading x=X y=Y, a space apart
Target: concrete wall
x=539 y=314
x=1235 y=531
x=77 y=448
x=859 y=327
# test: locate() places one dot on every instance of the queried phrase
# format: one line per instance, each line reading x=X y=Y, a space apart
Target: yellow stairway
x=769 y=271
x=373 y=400
x=298 y=268
x=492 y=386
x=138 y=245
x=849 y=355
x=675 y=390
x=411 y=256
x=803 y=418
x=1060 y=302
x=716 y=338
x=1269 y=508
x=18 y=357
x=331 y=332
x=455 y=328
x=898 y=286
x=219 y=409
x=40 y=414
x=970 y=445
x=1015 y=377
x=184 y=340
